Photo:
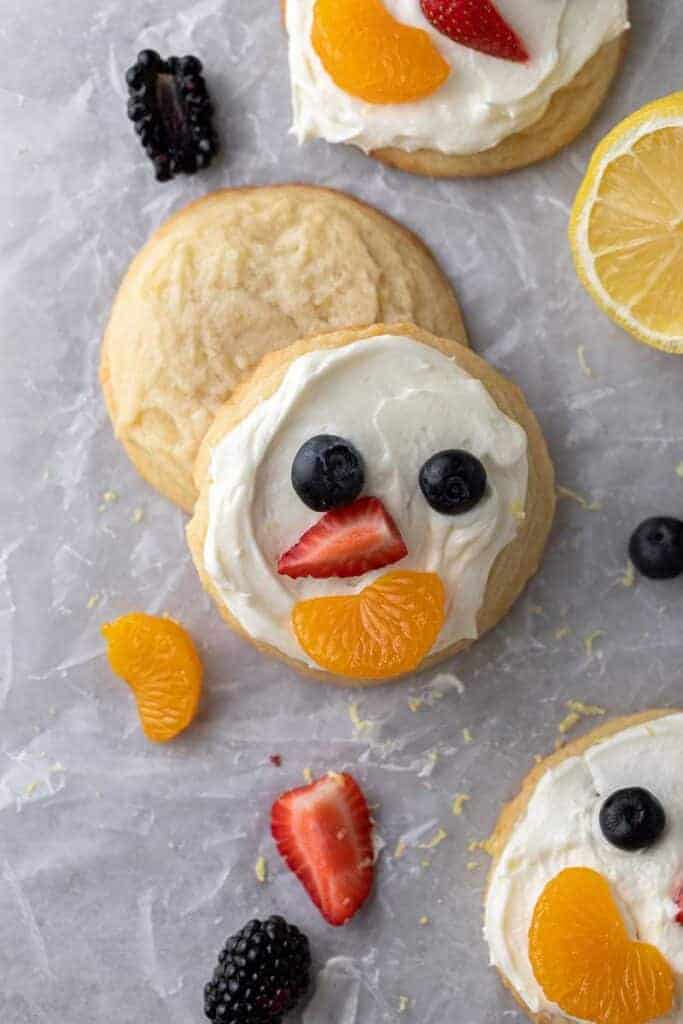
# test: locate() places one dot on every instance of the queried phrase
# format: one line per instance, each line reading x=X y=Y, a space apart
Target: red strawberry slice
x=678 y=901
x=346 y=542
x=477 y=25
x=324 y=834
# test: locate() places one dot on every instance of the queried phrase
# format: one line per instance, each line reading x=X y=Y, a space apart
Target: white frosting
x=398 y=402
x=560 y=829
x=484 y=100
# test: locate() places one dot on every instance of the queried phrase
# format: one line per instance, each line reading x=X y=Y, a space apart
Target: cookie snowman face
x=435 y=75
x=396 y=404
x=584 y=914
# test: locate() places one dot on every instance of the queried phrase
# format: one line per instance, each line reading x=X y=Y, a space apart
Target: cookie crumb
x=567 y=492
x=459 y=803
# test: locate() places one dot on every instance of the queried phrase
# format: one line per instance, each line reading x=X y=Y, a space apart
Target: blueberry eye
x=453 y=482
x=328 y=472
x=632 y=819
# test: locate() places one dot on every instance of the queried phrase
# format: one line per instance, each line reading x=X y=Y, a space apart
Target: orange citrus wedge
x=626 y=229
x=369 y=54
x=382 y=632
x=584 y=960
x=159 y=661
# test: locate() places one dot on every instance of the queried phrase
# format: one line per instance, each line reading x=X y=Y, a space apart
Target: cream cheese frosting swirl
x=398 y=402
x=484 y=100
x=560 y=829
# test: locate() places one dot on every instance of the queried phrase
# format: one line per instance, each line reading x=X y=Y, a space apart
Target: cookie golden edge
x=513 y=812
x=515 y=565
x=569 y=112
x=163 y=476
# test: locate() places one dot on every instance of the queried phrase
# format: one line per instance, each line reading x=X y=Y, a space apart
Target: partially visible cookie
x=404 y=571
x=234 y=276
x=594 y=833
x=569 y=112
x=487 y=118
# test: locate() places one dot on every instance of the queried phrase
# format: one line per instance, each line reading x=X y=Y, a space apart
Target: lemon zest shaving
x=589 y=641
x=628 y=579
x=439 y=837
x=583 y=362
x=459 y=803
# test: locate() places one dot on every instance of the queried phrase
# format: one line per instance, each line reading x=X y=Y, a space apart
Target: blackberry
x=262 y=973
x=170 y=107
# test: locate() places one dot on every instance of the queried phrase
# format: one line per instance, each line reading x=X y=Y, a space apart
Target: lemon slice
x=626 y=227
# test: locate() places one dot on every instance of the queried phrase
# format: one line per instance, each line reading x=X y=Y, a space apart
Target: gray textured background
x=122 y=866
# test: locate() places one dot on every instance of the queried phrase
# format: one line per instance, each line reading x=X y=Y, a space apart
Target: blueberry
x=656 y=548
x=149 y=60
x=190 y=66
x=632 y=819
x=328 y=472
x=453 y=482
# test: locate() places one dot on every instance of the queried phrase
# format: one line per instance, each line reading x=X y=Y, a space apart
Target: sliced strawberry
x=678 y=901
x=477 y=25
x=348 y=541
x=324 y=834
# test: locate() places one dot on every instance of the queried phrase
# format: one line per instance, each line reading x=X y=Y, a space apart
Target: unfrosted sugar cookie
x=371 y=501
x=238 y=274
x=584 y=910
x=452 y=88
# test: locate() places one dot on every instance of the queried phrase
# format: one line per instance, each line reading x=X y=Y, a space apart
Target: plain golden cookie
x=570 y=111
x=236 y=275
x=513 y=812
x=515 y=565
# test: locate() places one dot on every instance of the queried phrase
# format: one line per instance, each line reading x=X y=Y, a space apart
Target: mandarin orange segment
x=159 y=661
x=585 y=962
x=369 y=54
x=382 y=632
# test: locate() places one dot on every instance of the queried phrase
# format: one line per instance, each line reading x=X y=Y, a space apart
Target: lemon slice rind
x=663 y=113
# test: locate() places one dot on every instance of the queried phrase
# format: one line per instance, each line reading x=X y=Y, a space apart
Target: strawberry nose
x=346 y=542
